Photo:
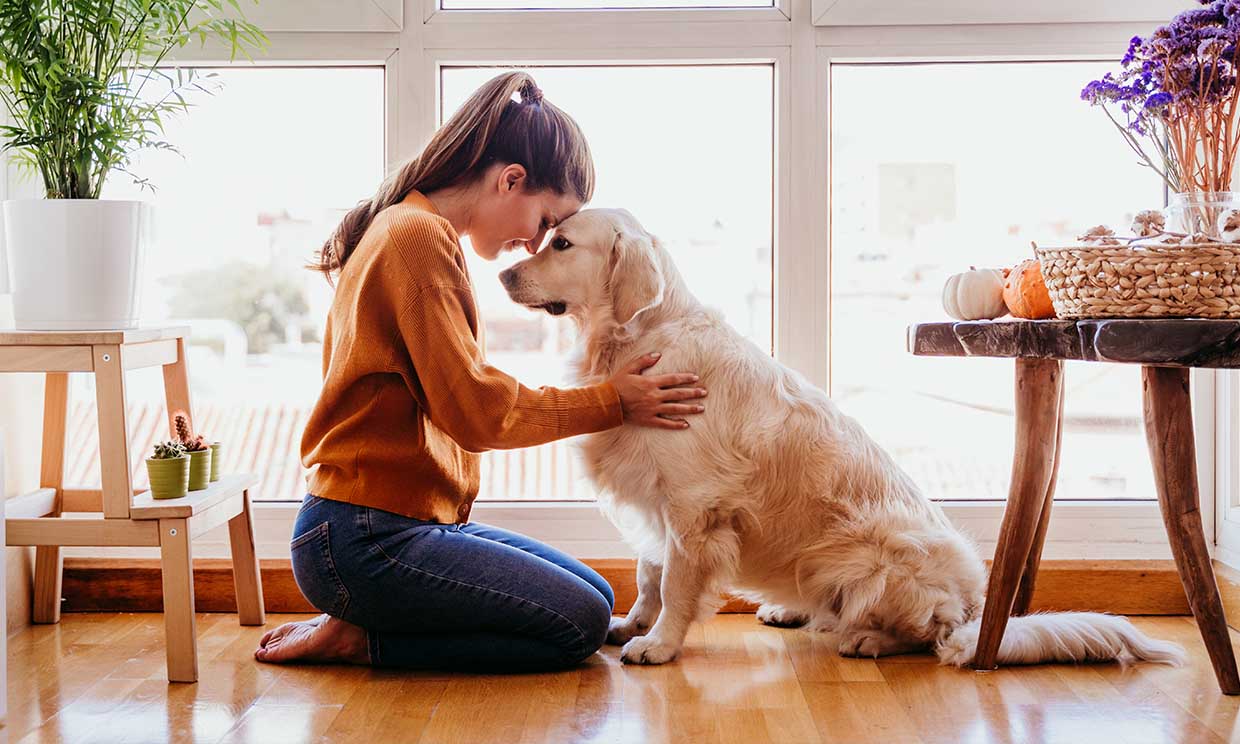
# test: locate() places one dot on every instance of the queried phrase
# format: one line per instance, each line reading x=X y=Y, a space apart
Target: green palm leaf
x=73 y=74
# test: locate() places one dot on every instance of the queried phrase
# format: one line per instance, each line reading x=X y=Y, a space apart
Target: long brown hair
x=489 y=128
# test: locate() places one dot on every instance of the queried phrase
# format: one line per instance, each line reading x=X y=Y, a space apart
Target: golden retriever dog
x=772 y=493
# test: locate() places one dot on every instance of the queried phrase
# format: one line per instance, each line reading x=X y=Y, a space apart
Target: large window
x=687 y=150
x=816 y=183
x=966 y=166
x=267 y=165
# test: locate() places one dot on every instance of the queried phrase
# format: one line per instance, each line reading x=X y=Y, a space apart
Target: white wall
x=21 y=403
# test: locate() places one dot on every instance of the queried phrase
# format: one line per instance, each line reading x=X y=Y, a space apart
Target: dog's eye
x=560 y=243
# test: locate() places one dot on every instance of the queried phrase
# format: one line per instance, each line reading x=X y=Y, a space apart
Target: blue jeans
x=448 y=596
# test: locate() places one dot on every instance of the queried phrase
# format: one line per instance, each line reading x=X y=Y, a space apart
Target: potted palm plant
x=86 y=86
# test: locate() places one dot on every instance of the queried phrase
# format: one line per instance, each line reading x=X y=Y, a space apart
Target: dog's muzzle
x=510 y=280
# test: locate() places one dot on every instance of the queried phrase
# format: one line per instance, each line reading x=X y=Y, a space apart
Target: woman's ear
x=636 y=281
x=512 y=177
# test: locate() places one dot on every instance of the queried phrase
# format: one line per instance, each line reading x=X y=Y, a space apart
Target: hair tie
x=531 y=93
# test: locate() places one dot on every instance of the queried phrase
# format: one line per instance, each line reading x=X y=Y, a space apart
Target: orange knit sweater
x=408 y=400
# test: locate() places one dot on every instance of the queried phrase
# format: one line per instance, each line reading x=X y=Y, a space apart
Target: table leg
x=1169 y=433
x=176 y=389
x=180 y=633
x=1038 y=391
x=47 y=560
x=1024 y=594
x=113 y=432
x=247 y=579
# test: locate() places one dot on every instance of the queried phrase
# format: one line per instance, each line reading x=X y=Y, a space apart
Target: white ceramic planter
x=76 y=264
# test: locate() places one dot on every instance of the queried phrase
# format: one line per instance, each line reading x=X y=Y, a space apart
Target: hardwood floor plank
x=859 y=711
x=370 y=704
x=486 y=708
x=278 y=724
x=101 y=678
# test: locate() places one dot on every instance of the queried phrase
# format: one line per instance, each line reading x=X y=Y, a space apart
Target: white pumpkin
x=975 y=295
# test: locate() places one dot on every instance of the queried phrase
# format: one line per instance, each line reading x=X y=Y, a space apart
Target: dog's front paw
x=621 y=630
x=780 y=617
x=875 y=643
x=862 y=645
x=822 y=624
x=648 y=650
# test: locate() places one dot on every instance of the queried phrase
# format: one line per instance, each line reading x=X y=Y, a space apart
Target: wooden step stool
x=127 y=518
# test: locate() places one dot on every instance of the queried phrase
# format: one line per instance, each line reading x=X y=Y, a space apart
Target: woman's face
x=508 y=216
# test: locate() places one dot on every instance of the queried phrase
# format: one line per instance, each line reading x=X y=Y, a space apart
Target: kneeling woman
x=382 y=544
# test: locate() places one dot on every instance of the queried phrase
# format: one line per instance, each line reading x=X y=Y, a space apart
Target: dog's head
x=596 y=259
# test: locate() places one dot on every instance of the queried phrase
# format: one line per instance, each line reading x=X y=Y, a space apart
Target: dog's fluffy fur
x=772 y=493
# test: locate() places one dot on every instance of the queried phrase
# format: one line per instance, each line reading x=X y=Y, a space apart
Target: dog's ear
x=636 y=280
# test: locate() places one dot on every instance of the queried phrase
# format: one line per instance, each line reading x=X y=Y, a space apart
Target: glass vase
x=1195 y=212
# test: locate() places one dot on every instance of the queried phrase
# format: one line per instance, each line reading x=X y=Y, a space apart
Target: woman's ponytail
x=489 y=128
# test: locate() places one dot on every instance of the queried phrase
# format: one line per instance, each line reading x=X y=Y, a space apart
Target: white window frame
x=1227 y=502
x=802 y=55
x=433 y=13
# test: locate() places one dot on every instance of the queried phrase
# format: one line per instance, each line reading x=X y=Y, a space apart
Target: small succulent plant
x=169 y=450
x=190 y=441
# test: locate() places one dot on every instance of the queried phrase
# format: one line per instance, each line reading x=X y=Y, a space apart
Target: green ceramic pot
x=199 y=469
x=169 y=476
x=215 y=461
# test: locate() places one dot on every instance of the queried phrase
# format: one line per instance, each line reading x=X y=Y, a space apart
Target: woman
x=382 y=544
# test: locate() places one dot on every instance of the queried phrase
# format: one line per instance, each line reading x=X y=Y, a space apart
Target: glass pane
x=967 y=165
x=272 y=160
x=599 y=4
x=701 y=131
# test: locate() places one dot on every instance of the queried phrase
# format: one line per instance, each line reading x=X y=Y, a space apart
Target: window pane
x=686 y=149
x=272 y=161
x=599 y=4
x=966 y=166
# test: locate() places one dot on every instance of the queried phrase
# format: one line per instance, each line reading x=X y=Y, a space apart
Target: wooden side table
x=1166 y=349
x=119 y=515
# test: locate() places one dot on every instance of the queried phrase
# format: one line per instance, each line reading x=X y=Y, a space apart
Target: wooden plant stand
x=118 y=516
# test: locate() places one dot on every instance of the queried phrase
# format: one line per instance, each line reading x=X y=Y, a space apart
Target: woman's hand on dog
x=657 y=401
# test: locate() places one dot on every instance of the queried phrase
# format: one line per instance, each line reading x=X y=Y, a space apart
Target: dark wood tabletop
x=1173 y=342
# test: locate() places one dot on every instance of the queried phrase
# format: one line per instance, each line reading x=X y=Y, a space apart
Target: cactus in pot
x=168 y=469
x=197 y=448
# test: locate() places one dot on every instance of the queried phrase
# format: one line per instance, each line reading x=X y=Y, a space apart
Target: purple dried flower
x=1133 y=45
x=1157 y=102
x=1211 y=13
x=1099 y=91
x=1178 y=79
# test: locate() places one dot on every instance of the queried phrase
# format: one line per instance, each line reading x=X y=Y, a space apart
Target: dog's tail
x=1063 y=637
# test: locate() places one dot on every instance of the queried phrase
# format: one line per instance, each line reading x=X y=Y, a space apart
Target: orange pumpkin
x=1025 y=293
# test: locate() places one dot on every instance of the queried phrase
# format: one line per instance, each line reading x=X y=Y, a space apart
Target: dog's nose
x=508 y=278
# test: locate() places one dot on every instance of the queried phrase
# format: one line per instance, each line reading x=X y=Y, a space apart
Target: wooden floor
x=100 y=678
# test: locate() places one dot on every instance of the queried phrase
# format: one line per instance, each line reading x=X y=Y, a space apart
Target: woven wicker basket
x=1199 y=280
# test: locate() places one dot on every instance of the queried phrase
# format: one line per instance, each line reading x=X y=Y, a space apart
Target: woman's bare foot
x=323 y=639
